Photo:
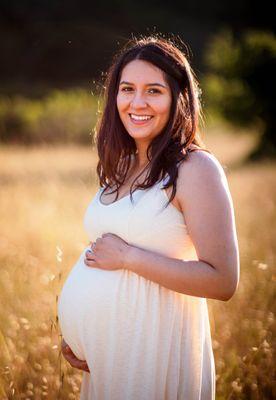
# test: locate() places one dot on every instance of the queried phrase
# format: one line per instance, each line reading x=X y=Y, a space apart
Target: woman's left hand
x=107 y=252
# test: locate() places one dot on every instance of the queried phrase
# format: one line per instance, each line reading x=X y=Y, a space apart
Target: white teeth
x=140 y=117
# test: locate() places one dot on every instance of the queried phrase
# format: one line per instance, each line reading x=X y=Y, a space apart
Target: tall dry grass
x=44 y=193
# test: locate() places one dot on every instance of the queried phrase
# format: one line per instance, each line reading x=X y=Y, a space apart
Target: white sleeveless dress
x=141 y=340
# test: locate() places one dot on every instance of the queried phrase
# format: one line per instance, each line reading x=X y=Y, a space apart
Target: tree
x=240 y=83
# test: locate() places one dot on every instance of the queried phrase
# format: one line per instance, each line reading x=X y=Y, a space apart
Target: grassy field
x=44 y=194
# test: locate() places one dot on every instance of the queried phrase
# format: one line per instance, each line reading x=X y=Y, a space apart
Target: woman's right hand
x=72 y=359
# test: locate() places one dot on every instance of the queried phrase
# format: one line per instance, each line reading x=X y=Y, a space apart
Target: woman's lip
x=136 y=122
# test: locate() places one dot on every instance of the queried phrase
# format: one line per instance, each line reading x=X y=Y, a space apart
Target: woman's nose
x=138 y=101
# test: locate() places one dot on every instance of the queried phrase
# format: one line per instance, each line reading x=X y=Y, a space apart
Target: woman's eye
x=155 y=90
x=127 y=89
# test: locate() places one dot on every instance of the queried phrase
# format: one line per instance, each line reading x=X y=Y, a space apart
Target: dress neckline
x=117 y=201
x=122 y=198
x=175 y=210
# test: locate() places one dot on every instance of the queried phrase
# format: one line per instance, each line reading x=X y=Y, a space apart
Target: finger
x=68 y=355
x=67 y=352
x=79 y=364
x=90 y=263
x=74 y=361
x=82 y=365
x=89 y=254
x=66 y=349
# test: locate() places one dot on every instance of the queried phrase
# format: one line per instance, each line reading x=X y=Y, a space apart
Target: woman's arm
x=204 y=195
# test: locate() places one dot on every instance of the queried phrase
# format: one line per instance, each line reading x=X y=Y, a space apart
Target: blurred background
x=54 y=56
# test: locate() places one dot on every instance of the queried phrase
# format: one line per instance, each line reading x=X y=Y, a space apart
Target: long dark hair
x=114 y=144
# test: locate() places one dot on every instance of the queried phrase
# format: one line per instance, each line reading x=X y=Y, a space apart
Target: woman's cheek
x=122 y=102
x=162 y=104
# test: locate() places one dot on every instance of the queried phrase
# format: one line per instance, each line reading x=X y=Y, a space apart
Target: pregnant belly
x=87 y=301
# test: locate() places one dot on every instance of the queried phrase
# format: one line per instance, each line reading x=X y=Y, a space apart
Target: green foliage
x=223 y=55
x=232 y=98
x=58 y=118
x=240 y=81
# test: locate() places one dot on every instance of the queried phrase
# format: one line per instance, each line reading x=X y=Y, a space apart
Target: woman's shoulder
x=199 y=176
x=200 y=164
x=198 y=156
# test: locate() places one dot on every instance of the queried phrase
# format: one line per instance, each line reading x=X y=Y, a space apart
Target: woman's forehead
x=140 y=70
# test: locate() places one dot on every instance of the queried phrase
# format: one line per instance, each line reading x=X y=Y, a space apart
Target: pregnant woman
x=133 y=310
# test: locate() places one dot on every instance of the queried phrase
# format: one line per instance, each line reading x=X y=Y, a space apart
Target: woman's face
x=143 y=100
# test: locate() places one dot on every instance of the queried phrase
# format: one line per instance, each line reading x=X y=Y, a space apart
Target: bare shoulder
x=200 y=159
x=200 y=168
x=200 y=163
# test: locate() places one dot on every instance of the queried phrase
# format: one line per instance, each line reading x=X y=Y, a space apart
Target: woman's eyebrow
x=147 y=84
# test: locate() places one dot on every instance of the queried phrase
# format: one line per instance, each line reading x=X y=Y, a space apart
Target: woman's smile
x=140 y=119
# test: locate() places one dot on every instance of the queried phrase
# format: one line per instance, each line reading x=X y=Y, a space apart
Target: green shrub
x=61 y=117
x=240 y=81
